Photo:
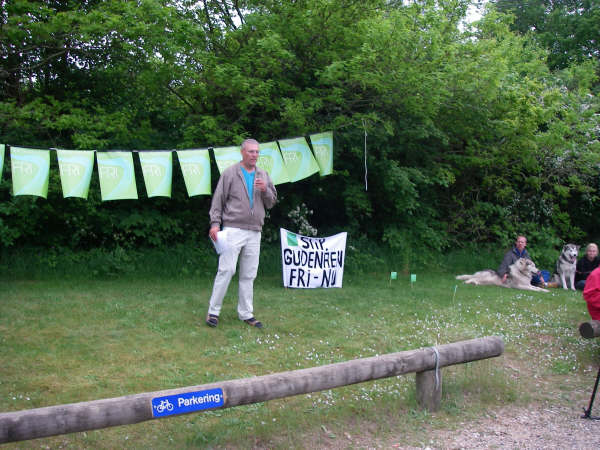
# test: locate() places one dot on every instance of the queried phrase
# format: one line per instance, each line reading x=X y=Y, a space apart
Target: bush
x=181 y=260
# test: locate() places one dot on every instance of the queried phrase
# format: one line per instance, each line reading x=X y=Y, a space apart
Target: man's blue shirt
x=249 y=177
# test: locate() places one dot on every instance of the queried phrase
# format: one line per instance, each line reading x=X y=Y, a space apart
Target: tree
x=470 y=136
x=531 y=162
x=567 y=28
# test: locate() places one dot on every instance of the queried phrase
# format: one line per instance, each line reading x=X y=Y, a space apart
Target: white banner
x=310 y=262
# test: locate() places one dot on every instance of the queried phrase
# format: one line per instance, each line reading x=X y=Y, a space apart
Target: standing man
x=238 y=204
x=511 y=257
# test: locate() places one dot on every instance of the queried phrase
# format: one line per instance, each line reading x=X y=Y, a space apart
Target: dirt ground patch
x=537 y=427
x=551 y=421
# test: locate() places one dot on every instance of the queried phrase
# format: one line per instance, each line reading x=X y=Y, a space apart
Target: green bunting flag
x=195 y=166
x=157 y=168
x=75 y=167
x=2 y=147
x=30 y=171
x=299 y=160
x=271 y=161
x=117 y=178
x=322 y=144
x=227 y=156
x=286 y=160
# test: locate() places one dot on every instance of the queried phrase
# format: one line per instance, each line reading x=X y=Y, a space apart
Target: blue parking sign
x=188 y=402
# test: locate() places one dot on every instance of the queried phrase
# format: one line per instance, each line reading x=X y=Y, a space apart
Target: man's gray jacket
x=510 y=258
x=230 y=205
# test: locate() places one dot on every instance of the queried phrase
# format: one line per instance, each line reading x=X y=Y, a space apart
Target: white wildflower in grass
x=307 y=328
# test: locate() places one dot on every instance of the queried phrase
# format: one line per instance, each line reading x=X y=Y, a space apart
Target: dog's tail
x=463 y=277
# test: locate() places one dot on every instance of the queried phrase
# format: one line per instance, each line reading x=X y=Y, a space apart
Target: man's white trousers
x=245 y=246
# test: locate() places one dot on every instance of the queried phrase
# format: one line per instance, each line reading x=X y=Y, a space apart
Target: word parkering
x=207 y=398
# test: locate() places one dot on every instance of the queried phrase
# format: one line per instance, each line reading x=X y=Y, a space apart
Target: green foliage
x=567 y=28
x=444 y=133
x=176 y=261
x=364 y=257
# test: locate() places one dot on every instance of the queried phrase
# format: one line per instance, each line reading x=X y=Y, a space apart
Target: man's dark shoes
x=212 y=320
x=253 y=322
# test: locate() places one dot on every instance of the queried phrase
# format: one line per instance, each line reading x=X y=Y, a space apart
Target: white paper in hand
x=221 y=244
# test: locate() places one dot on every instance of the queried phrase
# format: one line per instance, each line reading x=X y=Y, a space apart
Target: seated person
x=586 y=264
x=518 y=251
x=591 y=293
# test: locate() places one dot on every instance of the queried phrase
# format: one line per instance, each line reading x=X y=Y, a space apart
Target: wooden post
x=590 y=329
x=53 y=420
x=429 y=389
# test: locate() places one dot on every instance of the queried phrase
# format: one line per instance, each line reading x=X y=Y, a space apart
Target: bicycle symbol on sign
x=164 y=405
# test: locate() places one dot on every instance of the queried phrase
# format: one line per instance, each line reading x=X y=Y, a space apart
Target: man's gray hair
x=249 y=141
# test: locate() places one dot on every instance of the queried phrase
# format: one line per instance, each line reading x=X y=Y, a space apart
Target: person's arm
x=592 y=285
x=267 y=189
x=216 y=210
x=579 y=266
x=586 y=267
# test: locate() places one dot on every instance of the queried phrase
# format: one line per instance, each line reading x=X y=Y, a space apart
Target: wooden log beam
x=91 y=415
x=590 y=329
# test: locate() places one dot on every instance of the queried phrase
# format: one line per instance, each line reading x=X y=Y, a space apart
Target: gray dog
x=566 y=265
x=519 y=276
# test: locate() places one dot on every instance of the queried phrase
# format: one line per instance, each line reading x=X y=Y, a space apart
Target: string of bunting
x=286 y=160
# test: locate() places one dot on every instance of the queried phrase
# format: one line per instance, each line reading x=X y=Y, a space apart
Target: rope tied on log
x=437 y=367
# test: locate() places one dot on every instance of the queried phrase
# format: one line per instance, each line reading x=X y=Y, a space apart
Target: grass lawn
x=79 y=340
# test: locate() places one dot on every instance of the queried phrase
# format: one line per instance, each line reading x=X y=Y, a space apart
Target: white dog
x=519 y=276
x=566 y=265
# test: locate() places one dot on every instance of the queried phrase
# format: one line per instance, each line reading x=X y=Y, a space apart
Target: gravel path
x=552 y=422
x=546 y=427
